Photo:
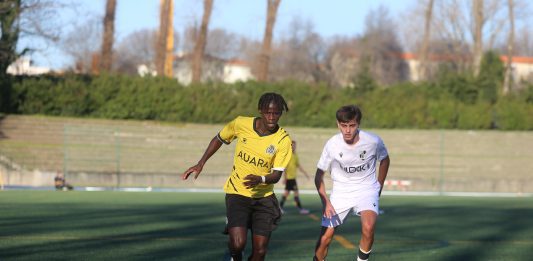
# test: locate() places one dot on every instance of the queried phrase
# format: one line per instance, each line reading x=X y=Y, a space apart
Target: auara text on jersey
x=252 y=160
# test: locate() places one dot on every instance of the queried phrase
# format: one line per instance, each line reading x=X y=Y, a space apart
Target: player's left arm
x=303 y=170
x=383 y=170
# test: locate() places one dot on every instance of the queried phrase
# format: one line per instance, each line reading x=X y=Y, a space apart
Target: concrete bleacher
x=102 y=152
x=121 y=153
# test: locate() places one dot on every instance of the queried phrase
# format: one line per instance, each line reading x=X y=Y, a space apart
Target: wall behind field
x=118 y=153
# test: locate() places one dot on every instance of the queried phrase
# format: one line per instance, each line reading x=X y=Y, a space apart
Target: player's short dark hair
x=271 y=97
x=349 y=112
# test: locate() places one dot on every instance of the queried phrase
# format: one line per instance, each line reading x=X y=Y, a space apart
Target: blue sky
x=245 y=17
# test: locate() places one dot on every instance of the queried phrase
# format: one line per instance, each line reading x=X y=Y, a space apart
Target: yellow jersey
x=254 y=154
x=292 y=167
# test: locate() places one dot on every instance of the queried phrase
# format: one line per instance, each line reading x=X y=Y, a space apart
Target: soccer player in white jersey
x=351 y=157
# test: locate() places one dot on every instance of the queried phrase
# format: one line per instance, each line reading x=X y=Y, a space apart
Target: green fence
x=150 y=154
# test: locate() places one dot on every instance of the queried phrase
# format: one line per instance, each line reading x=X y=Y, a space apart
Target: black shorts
x=261 y=215
x=291 y=185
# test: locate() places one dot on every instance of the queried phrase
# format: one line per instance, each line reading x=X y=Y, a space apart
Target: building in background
x=23 y=66
x=213 y=69
x=522 y=67
x=237 y=70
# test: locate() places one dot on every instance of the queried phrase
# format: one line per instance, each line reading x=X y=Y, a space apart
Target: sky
x=244 y=17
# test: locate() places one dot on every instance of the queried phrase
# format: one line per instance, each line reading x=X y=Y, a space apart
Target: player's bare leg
x=368 y=223
x=237 y=242
x=259 y=247
x=322 y=245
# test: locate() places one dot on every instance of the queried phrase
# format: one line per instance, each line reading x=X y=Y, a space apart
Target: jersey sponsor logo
x=340 y=154
x=356 y=169
x=252 y=160
x=270 y=149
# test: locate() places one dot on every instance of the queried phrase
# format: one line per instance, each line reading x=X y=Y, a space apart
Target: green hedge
x=453 y=103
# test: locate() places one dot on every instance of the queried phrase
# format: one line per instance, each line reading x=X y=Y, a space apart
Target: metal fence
x=148 y=154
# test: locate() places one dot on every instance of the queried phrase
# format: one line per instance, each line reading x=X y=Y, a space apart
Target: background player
x=290 y=181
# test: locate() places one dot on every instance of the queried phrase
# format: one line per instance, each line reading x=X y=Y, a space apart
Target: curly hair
x=271 y=97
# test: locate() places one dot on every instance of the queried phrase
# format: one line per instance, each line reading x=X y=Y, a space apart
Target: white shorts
x=344 y=203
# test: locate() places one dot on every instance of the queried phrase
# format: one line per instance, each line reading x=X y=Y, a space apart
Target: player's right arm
x=213 y=147
x=328 y=210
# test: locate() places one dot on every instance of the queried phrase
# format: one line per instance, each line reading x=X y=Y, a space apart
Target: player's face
x=348 y=130
x=271 y=116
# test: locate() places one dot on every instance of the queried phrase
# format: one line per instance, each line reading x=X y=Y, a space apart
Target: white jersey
x=353 y=167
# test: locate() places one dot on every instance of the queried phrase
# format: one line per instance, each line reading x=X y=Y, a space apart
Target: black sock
x=298 y=203
x=362 y=255
x=237 y=256
x=282 y=202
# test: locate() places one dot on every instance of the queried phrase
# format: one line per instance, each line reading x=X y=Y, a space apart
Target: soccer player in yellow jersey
x=290 y=181
x=262 y=153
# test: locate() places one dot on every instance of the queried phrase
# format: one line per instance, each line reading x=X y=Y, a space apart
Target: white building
x=237 y=70
x=23 y=66
x=522 y=67
x=213 y=69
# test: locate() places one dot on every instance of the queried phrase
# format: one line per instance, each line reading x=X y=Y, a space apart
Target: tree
x=477 y=23
x=300 y=54
x=9 y=13
x=510 y=46
x=381 y=48
x=423 y=66
x=165 y=40
x=199 y=48
x=491 y=76
x=264 y=59
x=82 y=44
x=106 y=59
x=478 y=34
x=222 y=44
x=29 y=18
x=137 y=48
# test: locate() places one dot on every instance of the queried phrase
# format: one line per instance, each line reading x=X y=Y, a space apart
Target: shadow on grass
x=187 y=226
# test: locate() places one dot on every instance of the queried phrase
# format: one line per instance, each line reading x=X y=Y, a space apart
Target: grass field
x=51 y=225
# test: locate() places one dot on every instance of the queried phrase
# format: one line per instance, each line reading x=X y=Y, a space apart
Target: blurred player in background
x=60 y=182
x=290 y=181
x=262 y=153
x=351 y=157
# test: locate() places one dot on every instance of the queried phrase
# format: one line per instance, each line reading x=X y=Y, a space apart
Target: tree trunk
x=109 y=32
x=10 y=11
x=264 y=59
x=162 y=38
x=478 y=34
x=169 y=47
x=510 y=46
x=199 y=47
x=423 y=67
